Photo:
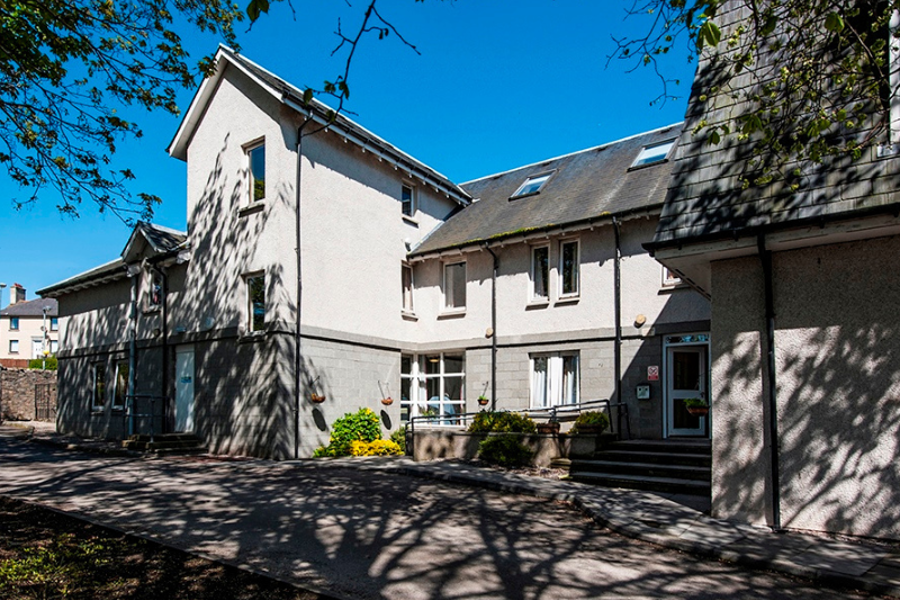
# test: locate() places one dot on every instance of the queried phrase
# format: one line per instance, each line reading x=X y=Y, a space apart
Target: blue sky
x=498 y=84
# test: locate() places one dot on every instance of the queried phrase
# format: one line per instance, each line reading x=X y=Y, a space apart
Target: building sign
x=653 y=373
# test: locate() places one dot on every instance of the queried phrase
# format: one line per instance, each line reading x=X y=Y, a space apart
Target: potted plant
x=591 y=422
x=696 y=406
x=387 y=401
x=551 y=427
x=316 y=398
x=483 y=400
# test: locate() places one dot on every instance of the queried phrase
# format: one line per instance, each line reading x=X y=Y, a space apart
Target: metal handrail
x=552 y=413
x=129 y=414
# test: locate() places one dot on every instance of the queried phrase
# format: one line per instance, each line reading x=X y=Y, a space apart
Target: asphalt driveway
x=365 y=534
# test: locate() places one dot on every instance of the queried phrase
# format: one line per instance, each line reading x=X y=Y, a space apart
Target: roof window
x=653 y=154
x=532 y=185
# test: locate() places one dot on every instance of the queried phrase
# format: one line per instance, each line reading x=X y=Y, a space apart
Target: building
x=320 y=260
x=805 y=351
x=27 y=328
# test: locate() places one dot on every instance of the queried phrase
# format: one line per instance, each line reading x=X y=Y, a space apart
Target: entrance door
x=686 y=378
x=184 y=389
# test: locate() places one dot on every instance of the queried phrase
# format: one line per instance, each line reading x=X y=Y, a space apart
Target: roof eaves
x=111 y=271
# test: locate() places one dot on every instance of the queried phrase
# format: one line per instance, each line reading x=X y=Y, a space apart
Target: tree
x=812 y=78
x=65 y=65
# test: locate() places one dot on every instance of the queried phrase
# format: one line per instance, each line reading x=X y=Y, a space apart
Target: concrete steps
x=166 y=444
x=673 y=466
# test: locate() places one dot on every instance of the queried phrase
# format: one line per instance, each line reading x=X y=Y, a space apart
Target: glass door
x=686 y=377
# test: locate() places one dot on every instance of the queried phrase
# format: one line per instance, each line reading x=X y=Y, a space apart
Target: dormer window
x=532 y=185
x=408 y=200
x=653 y=154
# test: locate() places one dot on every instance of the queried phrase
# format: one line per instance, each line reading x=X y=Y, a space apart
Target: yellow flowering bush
x=375 y=448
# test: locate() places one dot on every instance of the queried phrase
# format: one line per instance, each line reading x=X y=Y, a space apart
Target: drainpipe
x=768 y=358
x=494 y=328
x=164 y=315
x=297 y=344
x=132 y=350
x=617 y=271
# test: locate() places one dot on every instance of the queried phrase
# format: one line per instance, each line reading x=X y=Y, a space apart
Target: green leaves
x=709 y=34
x=834 y=22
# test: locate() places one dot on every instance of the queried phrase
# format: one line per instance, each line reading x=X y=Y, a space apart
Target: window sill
x=97 y=412
x=452 y=314
x=567 y=300
x=538 y=303
x=149 y=310
x=408 y=315
x=248 y=337
x=410 y=221
x=669 y=288
x=257 y=206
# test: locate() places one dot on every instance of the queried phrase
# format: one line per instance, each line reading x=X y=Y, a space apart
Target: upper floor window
x=532 y=185
x=256 y=162
x=540 y=273
x=54 y=324
x=407 y=277
x=455 y=286
x=155 y=293
x=568 y=268
x=256 y=302
x=98 y=389
x=408 y=200
x=14 y=323
x=669 y=277
x=653 y=154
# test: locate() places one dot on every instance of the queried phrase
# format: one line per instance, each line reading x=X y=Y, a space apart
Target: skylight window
x=532 y=185
x=653 y=154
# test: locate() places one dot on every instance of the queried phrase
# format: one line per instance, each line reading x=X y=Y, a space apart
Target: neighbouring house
x=805 y=326
x=320 y=260
x=27 y=328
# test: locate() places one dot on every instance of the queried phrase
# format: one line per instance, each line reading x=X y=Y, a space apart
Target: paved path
x=368 y=531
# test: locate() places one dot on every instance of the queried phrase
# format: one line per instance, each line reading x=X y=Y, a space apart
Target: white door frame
x=670 y=342
x=185 y=373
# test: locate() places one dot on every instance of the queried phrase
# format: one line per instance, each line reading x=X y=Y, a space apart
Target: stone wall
x=17 y=393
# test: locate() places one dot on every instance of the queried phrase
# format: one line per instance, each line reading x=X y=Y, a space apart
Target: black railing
x=142 y=408
x=564 y=412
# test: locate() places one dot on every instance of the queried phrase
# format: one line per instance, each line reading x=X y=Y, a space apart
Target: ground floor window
x=121 y=384
x=98 y=395
x=554 y=379
x=433 y=384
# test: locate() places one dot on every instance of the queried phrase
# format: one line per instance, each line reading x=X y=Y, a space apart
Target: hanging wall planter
x=316 y=399
x=483 y=401
x=387 y=401
x=696 y=407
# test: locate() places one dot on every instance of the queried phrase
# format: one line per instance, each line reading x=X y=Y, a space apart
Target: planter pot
x=483 y=401
x=591 y=429
x=387 y=401
x=548 y=428
x=316 y=399
x=698 y=411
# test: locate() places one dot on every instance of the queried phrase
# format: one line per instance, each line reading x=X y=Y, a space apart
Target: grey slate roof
x=31 y=308
x=586 y=185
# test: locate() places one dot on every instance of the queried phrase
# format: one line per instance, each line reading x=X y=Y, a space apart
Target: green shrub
x=37 y=363
x=362 y=425
x=505 y=451
x=502 y=422
x=591 y=418
x=399 y=438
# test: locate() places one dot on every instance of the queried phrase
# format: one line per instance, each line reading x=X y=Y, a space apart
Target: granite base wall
x=17 y=392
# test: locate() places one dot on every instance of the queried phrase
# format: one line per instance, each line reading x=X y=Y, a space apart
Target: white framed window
x=54 y=324
x=121 y=384
x=655 y=153
x=408 y=203
x=555 y=379
x=155 y=290
x=256 y=170
x=669 y=277
x=569 y=269
x=14 y=323
x=433 y=385
x=256 y=302
x=54 y=347
x=532 y=185
x=98 y=386
x=407 y=281
x=540 y=273
x=455 y=286
x=13 y=346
